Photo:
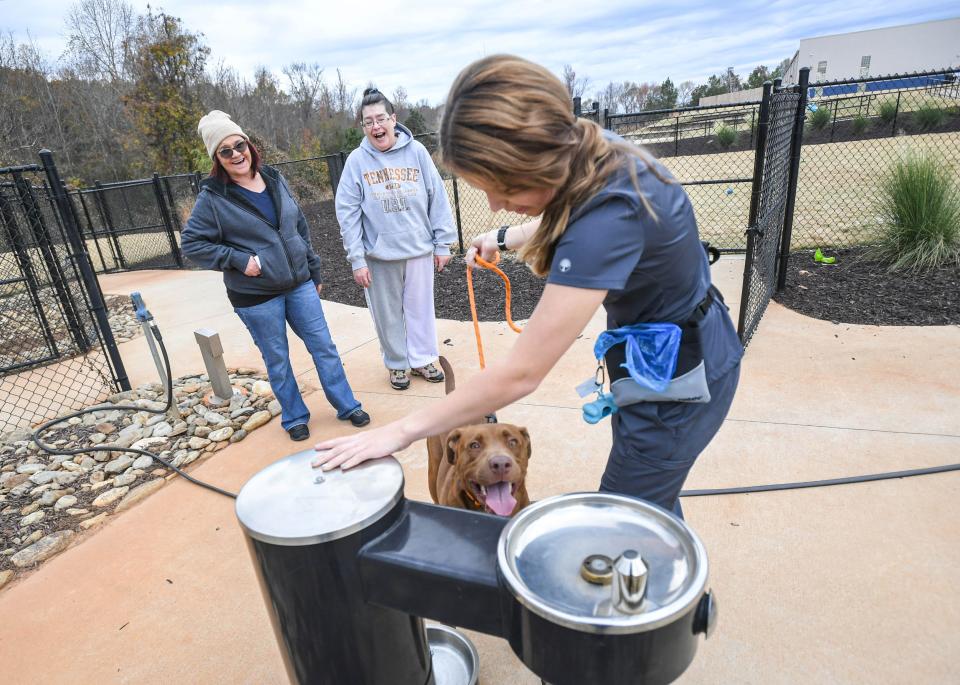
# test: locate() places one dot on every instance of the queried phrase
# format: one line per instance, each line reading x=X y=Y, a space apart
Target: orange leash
x=473 y=303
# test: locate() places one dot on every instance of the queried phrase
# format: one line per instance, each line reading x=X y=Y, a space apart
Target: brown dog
x=481 y=466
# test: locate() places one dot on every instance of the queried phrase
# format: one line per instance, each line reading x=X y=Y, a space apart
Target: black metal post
x=43 y=240
x=676 y=138
x=93 y=234
x=108 y=224
x=833 y=125
x=22 y=255
x=792 y=182
x=167 y=221
x=456 y=212
x=606 y=118
x=896 y=114
x=759 y=159
x=576 y=107
x=97 y=306
x=171 y=204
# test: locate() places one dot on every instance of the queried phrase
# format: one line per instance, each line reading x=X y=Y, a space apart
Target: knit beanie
x=216 y=126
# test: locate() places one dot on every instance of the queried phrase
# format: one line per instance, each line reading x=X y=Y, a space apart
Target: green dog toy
x=818 y=257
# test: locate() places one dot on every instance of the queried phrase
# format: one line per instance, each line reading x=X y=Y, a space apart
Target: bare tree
x=576 y=87
x=100 y=32
x=684 y=91
x=306 y=82
x=344 y=97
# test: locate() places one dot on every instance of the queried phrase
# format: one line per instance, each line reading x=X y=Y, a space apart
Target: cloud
x=423 y=45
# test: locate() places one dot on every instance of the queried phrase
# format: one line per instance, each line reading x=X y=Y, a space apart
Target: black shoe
x=299 y=432
x=358 y=418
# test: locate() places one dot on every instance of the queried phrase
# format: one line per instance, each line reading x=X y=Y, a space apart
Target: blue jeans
x=267 y=323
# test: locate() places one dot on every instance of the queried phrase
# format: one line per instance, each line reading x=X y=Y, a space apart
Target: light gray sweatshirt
x=393 y=205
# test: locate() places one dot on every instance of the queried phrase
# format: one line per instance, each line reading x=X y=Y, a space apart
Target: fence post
x=792 y=182
x=676 y=138
x=165 y=218
x=108 y=224
x=759 y=160
x=576 y=106
x=896 y=113
x=606 y=118
x=42 y=238
x=833 y=125
x=456 y=210
x=97 y=306
x=22 y=255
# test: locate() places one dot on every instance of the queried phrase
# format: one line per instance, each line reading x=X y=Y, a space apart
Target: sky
x=422 y=45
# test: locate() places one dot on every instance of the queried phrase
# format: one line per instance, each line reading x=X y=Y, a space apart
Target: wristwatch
x=501 y=238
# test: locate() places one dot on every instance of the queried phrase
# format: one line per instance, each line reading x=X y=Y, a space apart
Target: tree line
x=124 y=98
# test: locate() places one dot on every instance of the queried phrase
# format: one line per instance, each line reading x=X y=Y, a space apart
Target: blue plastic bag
x=651 y=351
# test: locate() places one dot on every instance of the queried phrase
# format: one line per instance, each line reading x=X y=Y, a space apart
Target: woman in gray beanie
x=247 y=225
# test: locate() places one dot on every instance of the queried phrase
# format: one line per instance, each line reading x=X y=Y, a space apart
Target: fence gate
x=770 y=221
x=57 y=352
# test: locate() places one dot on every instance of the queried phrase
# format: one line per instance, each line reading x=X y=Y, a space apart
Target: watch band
x=501 y=238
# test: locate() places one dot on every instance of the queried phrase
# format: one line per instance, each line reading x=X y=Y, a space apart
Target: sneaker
x=399 y=379
x=299 y=432
x=358 y=418
x=429 y=373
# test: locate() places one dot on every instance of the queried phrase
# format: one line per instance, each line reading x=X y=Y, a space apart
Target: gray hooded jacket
x=393 y=205
x=225 y=230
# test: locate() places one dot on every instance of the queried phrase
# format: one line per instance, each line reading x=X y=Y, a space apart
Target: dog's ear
x=527 y=447
x=453 y=442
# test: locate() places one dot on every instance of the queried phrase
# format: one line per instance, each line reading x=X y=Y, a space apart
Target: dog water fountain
x=587 y=588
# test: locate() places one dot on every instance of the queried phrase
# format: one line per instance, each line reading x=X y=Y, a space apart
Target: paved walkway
x=850 y=584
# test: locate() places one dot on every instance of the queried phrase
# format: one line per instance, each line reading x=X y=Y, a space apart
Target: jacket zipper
x=283 y=244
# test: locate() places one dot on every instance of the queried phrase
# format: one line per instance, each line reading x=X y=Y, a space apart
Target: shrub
x=819 y=118
x=919 y=206
x=859 y=124
x=929 y=116
x=726 y=135
x=888 y=110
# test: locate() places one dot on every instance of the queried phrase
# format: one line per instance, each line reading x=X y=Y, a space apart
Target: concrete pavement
x=849 y=584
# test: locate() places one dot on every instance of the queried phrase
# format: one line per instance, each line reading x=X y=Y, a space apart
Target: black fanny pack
x=689 y=382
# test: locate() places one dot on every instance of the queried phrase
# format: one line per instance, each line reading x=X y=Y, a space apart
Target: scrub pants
x=655 y=444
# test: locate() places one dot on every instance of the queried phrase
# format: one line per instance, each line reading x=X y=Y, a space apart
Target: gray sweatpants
x=400 y=299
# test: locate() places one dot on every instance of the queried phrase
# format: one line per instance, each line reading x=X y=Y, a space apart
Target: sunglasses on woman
x=227 y=152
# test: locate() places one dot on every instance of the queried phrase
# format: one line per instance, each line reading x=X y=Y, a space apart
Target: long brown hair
x=509 y=124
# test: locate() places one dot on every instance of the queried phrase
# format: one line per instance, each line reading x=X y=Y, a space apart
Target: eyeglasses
x=227 y=152
x=379 y=121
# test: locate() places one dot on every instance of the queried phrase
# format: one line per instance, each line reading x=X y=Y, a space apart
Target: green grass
x=819 y=119
x=929 y=116
x=726 y=135
x=859 y=124
x=919 y=207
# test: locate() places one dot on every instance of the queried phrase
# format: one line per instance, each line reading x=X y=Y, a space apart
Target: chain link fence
x=53 y=350
x=855 y=132
x=710 y=151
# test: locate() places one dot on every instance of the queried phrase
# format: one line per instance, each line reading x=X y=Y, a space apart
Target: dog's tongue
x=499 y=499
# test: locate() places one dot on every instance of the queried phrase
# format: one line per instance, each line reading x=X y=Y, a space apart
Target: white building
x=879 y=52
x=905 y=49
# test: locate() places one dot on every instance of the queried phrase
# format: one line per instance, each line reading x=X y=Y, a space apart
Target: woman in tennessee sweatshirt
x=396 y=227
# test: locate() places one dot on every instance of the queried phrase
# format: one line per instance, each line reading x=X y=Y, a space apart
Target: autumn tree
x=167 y=66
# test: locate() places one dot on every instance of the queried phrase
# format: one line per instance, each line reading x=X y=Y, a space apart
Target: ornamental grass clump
x=929 y=116
x=919 y=208
x=859 y=124
x=820 y=118
x=888 y=111
x=726 y=135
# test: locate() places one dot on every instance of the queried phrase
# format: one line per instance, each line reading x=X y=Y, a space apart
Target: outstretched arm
x=559 y=318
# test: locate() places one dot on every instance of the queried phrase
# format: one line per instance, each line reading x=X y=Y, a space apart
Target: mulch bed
x=859 y=290
x=450 y=286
